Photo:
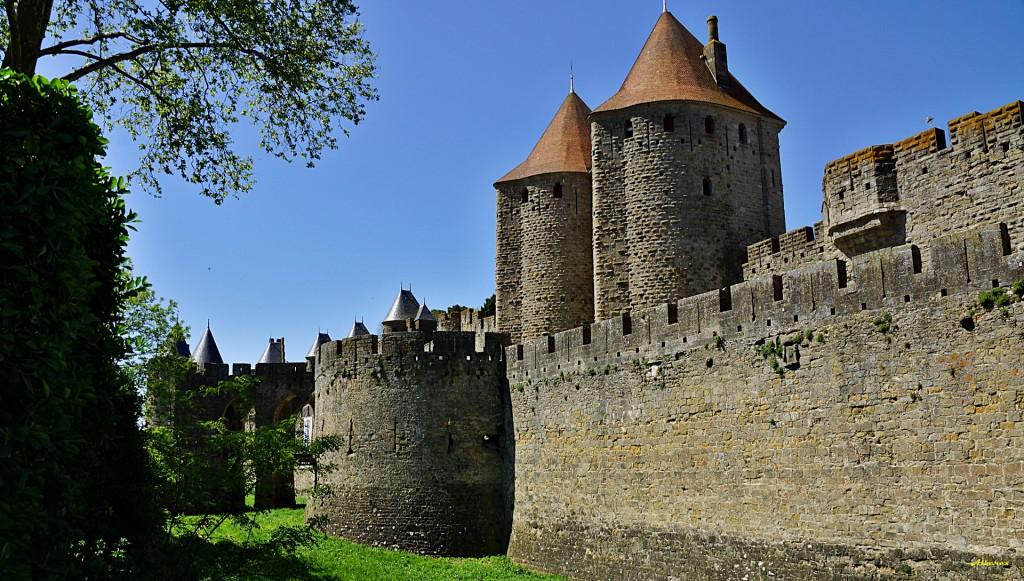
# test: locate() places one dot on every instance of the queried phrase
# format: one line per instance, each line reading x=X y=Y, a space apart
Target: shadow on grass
x=193 y=558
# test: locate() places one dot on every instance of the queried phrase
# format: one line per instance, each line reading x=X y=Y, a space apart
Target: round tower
x=544 y=255
x=422 y=459
x=686 y=174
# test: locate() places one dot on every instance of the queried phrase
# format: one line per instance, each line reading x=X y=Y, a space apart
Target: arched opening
x=707 y=187
x=669 y=123
x=628 y=130
x=558 y=190
x=743 y=133
x=275 y=487
x=709 y=125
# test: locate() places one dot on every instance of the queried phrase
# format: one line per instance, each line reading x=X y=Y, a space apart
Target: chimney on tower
x=714 y=54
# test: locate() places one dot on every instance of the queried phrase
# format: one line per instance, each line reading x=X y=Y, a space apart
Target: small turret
x=402 y=312
x=425 y=321
x=274 y=352
x=314 y=350
x=358 y=330
x=206 y=350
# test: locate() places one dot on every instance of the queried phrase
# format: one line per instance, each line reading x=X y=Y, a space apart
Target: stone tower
x=686 y=174
x=544 y=254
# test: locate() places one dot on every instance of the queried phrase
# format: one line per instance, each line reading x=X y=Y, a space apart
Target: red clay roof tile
x=564 y=147
x=671 y=68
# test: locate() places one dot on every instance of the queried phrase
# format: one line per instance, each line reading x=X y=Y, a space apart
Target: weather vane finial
x=572 y=83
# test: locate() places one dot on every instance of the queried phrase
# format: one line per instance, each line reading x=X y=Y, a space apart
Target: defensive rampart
x=703 y=440
x=423 y=464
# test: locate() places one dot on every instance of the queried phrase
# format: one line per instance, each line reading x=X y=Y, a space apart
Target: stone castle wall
x=545 y=259
x=665 y=446
x=280 y=392
x=423 y=462
x=677 y=200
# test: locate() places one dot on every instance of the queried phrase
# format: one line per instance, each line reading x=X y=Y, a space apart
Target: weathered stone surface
x=422 y=467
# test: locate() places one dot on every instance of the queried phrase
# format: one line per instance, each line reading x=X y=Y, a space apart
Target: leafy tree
x=487 y=310
x=180 y=74
x=75 y=494
x=207 y=464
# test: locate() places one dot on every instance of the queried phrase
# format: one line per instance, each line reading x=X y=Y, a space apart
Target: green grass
x=334 y=558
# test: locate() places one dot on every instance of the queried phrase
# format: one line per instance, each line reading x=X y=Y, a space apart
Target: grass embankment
x=334 y=558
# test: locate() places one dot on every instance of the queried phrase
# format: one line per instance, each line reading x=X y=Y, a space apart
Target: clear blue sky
x=466 y=89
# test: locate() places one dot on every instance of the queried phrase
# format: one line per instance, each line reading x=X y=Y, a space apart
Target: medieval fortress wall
x=884 y=431
x=681 y=389
x=421 y=467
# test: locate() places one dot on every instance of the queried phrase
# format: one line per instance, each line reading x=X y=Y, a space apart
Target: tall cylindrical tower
x=686 y=174
x=544 y=253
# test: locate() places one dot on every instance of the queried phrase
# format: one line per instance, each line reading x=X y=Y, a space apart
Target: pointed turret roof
x=404 y=307
x=671 y=67
x=181 y=348
x=424 y=313
x=564 y=146
x=358 y=330
x=321 y=338
x=206 y=350
x=274 y=352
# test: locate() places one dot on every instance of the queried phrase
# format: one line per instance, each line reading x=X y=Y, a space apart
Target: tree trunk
x=27 y=20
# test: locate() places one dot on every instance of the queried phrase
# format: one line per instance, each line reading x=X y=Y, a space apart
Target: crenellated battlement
x=907 y=192
x=369 y=353
x=825 y=292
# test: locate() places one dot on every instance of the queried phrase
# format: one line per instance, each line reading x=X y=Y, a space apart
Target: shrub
x=995 y=297
x=884 y=323
x=1018 y=287
x=76 y=497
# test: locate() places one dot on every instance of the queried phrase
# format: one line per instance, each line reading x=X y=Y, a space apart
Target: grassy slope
x=335 y=558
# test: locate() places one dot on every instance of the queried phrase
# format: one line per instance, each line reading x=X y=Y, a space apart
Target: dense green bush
x=73 y=472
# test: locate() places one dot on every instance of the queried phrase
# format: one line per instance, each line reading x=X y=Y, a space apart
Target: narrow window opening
x=673 y=313
x=773 y=178
x=709 y=125
x=707 y=186
x=776 y=287
x=924 y=170
x=906 y=298
x=796 y=318
x=1004 y=235
x=558 y=190
x=743 y=133
x=725 y=299
x=551 y=344
x=867 y=186
x=832 y=311
x=586 y=334
x=524 y=196
x=1006 y=147
x=628 y=131
x=863 y=306
x=943 y=292
x=519 y=352
x=627 y=324
x=841 y=273
x=670 y=123
x=915 y=258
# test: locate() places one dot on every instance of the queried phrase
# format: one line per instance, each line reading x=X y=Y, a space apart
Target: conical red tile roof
x=671 y=68
x=564 y=147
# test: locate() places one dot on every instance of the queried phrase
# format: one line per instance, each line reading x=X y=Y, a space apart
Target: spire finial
x=207 y=324
x=572 y=83
x=664 y=5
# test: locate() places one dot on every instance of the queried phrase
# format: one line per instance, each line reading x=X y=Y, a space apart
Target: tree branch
x=148 y=48
x=60 y=47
